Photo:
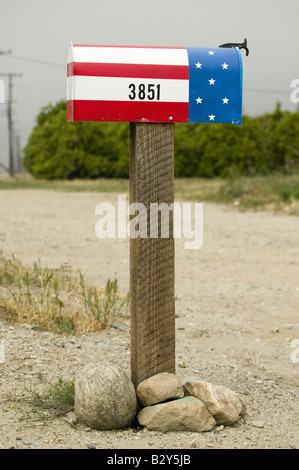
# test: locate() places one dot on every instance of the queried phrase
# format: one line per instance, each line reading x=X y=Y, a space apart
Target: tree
x=57 y=148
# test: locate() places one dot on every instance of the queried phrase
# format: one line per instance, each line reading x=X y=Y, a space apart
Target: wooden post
x=152 y=259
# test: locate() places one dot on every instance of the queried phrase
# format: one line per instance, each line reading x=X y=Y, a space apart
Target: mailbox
x=154 y=84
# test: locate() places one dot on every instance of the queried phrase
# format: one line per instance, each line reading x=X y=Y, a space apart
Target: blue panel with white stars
x=215 y=85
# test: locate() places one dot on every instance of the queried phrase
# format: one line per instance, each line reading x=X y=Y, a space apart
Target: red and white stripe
x=99 y=78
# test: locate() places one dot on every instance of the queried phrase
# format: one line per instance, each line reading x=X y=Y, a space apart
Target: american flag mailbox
x=154 y=84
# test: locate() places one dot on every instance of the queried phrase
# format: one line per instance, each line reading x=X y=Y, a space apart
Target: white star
x=225 y=100
x=198 y=65
x=212 y=81
x=198 y=100
x=224 y=66
x=212 y=117
x=211 y=52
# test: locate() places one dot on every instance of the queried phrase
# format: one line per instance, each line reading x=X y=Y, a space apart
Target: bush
x=66 y=150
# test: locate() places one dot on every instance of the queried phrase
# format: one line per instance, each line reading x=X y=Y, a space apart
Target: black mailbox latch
x=239 y=45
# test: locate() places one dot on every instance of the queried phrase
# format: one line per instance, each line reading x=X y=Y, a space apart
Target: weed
x=59 y=398
x=53 y=300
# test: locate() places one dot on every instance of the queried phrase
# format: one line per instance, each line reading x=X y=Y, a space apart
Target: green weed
x=59 y=397
x=54 y=300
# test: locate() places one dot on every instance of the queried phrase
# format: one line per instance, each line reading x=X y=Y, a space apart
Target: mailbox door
x=215 y=85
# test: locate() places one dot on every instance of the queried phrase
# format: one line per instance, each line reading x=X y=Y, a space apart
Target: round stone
x=105 y=397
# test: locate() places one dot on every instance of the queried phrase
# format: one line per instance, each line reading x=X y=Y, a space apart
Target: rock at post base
x=105 y=397
x=158 y=388
x=222 y=403
x=185 y=414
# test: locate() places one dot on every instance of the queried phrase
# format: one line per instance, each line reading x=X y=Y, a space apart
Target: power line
x=37 y=61
x=56 y=64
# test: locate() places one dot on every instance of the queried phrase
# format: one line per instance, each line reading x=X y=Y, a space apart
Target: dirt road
x=237 y=306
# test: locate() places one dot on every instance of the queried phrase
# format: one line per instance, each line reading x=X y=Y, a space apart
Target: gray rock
x=158 y=388
x=257 y=424
x=120 y=326
x=222 y=403
x=27 y=443
x=182 y=364
x=105 y=397
x=71 y=418
x=185 y=414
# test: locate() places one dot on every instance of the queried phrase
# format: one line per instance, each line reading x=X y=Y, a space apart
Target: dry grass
x=55 y=300
x=275 y=192
x=25 y=181
x=278 y=192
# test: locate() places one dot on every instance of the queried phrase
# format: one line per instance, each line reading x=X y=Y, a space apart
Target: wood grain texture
x=152 y=259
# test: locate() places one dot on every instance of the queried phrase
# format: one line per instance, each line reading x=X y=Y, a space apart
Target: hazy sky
x=40 y=30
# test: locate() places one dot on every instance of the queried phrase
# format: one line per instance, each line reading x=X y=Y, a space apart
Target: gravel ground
x=237 y=305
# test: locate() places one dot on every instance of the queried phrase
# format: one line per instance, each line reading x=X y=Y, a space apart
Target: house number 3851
x=142 y=91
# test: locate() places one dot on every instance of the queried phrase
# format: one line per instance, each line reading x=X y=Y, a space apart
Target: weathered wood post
x=152 y=88
x=152 y=259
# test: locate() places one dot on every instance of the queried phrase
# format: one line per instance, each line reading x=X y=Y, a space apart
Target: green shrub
x=58 y=149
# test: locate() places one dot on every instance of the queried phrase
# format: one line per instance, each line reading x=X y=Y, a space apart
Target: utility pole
x=10 y=77
x=18 y=154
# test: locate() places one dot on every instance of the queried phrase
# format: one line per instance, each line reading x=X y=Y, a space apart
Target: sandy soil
x=237 y=305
